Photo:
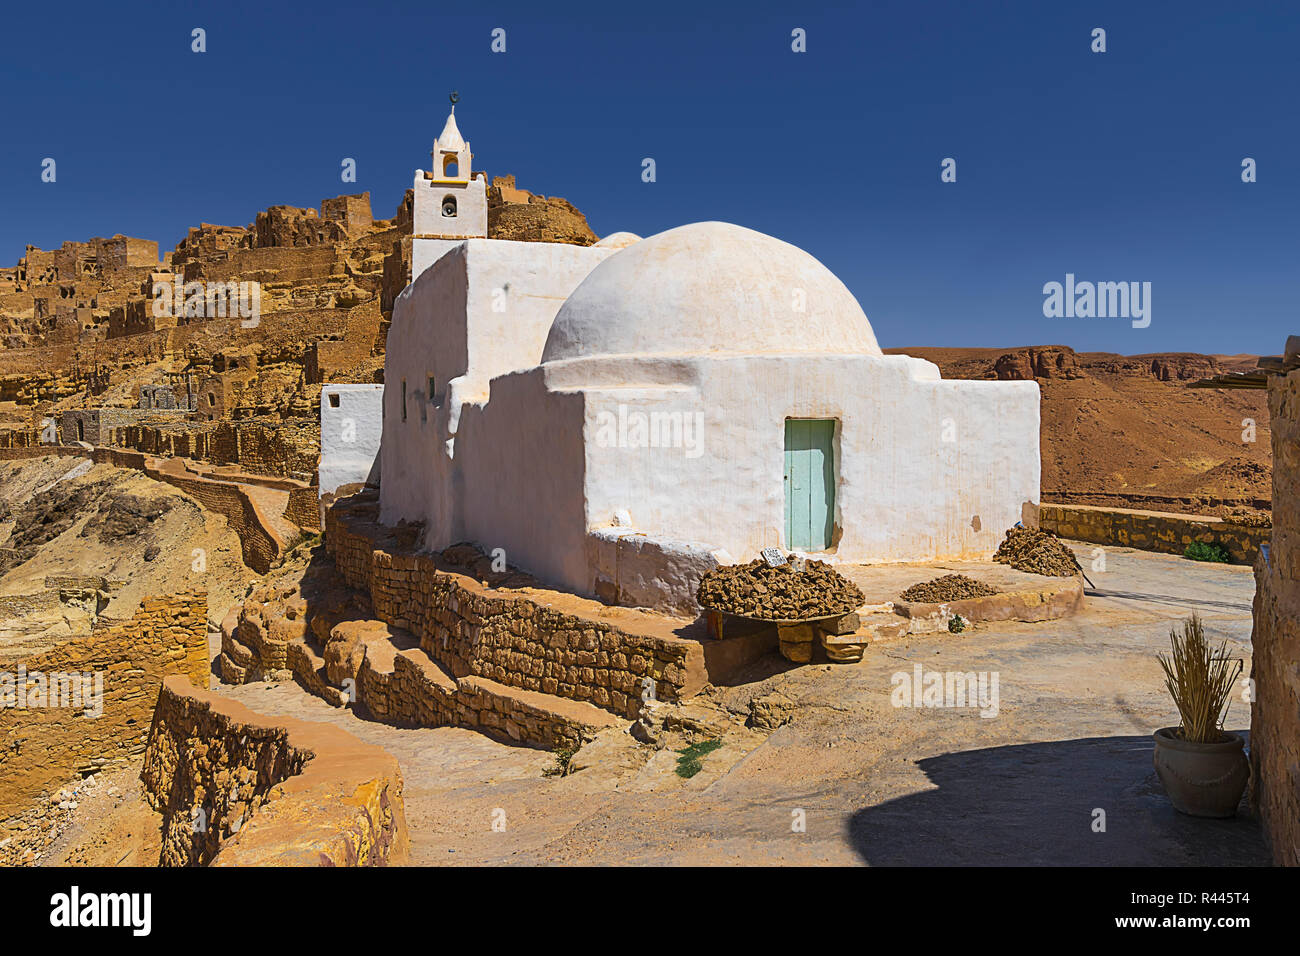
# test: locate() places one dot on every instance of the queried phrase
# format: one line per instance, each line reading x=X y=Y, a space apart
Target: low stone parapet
x=1151 y=530
x=237 y=788
x=519 y=635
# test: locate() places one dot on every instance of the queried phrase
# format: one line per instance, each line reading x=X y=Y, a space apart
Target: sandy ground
x=853 y=779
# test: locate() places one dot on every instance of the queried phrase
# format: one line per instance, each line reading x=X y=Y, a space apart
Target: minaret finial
x=455 y=98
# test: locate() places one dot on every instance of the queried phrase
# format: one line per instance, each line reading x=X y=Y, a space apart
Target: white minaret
x=450 y=201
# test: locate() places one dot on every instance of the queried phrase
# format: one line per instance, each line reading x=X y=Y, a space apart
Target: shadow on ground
x=1170 y=599
x=1033 y=804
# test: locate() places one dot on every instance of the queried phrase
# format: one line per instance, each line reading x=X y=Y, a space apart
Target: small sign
x=773 y=557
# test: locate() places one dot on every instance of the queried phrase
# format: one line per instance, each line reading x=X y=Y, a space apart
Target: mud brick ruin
x=83 y=333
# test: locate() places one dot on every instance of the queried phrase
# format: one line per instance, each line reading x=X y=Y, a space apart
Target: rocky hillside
x=80 y=541
x=1126 y=430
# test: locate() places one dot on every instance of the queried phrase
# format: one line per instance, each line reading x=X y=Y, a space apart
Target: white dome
x=710 y=288
x=618 y=240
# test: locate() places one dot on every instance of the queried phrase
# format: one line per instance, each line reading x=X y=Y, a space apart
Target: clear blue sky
x=1122 y=166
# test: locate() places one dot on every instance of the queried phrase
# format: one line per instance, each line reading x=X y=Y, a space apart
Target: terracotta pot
x=1202 y=780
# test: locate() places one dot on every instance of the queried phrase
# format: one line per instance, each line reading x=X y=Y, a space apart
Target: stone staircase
x=383 y=673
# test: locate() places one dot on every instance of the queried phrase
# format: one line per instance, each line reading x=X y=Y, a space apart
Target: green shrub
x=956 y=624
x=688 y=764
x=1200 y=551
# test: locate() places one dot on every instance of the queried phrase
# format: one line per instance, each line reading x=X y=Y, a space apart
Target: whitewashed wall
x=349 y=435
x=903 y=492
x=482 y=310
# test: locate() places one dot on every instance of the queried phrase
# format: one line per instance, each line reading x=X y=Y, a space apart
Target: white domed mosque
x=622 y=417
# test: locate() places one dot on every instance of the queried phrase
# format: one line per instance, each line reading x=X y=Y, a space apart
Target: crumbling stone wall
x=97 y=425
x=45 y=746
x=26 y=438
x=1275 y=713
x=552 y=643
x=236 y=788
x=276 y=448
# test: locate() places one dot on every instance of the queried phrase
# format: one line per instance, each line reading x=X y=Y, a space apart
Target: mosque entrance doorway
x=809 y=483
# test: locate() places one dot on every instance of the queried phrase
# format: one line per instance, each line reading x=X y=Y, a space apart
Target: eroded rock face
x=1047 y=362
x=1170 y=368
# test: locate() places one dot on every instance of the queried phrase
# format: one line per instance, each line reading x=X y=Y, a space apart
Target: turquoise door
x=809 y=483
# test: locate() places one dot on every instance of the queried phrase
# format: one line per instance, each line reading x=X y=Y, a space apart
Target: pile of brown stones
x=950 y=587
x=785 y=592
x=1037 y=552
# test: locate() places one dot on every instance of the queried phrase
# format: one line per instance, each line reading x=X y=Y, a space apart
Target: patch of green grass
x=956 y=624
x=1199 y=551
x=688 y=764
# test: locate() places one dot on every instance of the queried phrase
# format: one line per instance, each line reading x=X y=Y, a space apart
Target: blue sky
x=1122 y=166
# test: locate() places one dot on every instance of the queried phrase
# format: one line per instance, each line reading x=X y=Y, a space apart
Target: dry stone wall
x=236 y=788
x=383 y=671
x=45 y=745
x=1275 y=667
x=533 y=639
x=1150 y=530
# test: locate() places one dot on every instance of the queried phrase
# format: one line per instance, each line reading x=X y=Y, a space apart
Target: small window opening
x=334 y=399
